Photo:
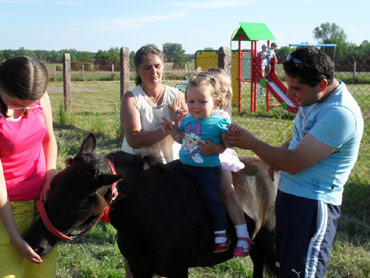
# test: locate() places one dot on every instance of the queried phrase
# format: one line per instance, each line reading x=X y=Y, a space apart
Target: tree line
x=329 y=33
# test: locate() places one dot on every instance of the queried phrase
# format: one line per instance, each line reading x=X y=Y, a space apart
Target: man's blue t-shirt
x=210 y=128
x=337 y=122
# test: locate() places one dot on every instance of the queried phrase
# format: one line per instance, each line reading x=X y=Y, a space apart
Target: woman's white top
x=151 y=115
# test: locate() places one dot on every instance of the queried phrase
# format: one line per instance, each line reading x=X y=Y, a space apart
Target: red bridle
x=56 y=232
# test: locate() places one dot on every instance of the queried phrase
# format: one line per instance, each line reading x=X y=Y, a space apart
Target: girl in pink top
x=28 y=152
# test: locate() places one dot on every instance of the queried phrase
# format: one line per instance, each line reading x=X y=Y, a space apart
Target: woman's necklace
x=158 y=98
x=154 y=102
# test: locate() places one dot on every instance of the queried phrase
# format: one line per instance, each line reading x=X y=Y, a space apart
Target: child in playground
x=264 y=60
x=271 y=52
x=203 y=91
x=229 y=163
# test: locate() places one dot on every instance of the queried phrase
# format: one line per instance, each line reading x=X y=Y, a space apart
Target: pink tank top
x=22 y=154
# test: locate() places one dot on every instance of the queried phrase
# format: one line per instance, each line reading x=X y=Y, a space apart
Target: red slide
x=278 y=89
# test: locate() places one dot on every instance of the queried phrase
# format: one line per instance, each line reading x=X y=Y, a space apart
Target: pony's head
x=77 y=198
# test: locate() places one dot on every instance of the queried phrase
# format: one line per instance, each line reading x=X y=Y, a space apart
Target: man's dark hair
x=310 y=65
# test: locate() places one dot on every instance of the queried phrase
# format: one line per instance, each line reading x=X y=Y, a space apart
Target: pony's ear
x=89 y=144
x=107 y=179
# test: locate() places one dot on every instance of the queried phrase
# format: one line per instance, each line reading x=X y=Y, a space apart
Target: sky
x=91 y=25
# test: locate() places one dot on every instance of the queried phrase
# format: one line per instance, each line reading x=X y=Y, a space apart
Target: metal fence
x=95 y=101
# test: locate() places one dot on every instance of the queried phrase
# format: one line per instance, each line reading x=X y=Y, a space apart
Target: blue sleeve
x=223 y=123
x=335 y=127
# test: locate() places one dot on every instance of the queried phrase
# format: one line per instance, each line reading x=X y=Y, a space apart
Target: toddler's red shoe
x=240 y=251
x=223 y=246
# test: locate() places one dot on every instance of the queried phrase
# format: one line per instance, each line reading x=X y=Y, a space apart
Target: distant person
x=28 y=154
x=264 y=59
x=315 y=162
x=271 y=59
x=271 y=52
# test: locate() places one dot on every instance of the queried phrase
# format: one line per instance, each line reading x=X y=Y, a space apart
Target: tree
x=2 y=57
x=282 y=53
x=172 y=50
x=332 y=33
x=329 y=32
x=364 y=48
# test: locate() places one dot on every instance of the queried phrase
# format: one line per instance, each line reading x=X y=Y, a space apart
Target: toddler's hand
x=176 y=111
x=234 y=128
x=206 y=147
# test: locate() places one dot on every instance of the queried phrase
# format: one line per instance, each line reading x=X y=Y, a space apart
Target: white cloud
x=213 y=4
x=41 y=3
x=135 y=23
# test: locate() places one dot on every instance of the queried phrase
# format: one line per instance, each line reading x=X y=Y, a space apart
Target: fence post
x=354 y=70
x=186 y=71
x=224 y=62
x=55 y=73
x=67 y=82
x=83 y=72
x=125 y=70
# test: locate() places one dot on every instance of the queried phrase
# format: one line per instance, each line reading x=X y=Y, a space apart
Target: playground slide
x=278 y=89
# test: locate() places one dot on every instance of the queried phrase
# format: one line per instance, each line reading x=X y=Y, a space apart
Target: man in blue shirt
x=315 y=163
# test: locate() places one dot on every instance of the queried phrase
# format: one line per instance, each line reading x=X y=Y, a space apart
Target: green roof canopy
x=254 y=32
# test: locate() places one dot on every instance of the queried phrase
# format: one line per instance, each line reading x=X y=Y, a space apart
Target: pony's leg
x=139 y=273
x=179 y=274
x=258 y=259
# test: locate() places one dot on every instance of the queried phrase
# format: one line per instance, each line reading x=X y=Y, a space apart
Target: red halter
x=56 y=232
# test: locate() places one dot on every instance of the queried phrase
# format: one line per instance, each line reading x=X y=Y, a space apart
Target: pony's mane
x=121 y=157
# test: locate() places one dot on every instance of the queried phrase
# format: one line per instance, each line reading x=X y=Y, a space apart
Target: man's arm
x=308 y=152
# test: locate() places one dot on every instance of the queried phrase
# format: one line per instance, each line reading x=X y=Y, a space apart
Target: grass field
x=95 y=108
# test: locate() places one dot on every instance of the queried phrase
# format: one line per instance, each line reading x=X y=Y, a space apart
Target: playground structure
x=246 y=67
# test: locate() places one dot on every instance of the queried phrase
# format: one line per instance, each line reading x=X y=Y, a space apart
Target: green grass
x=95 y=108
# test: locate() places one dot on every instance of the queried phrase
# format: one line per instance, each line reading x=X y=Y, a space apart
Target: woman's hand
x=46 y=187
x=25 y=249
x=167 y=126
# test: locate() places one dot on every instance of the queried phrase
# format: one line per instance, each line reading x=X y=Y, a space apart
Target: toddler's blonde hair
x=227 y=93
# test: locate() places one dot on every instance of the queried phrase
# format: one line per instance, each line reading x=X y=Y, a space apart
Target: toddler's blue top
x=210 y=128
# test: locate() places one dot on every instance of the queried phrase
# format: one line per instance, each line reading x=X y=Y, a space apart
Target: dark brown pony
x=161 y=225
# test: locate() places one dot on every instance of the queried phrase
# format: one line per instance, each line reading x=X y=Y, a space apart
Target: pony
x=161 y=225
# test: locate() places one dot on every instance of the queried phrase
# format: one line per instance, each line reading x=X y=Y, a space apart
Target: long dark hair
x=24 y=78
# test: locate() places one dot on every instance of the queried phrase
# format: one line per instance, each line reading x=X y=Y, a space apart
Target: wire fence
x=95 y=101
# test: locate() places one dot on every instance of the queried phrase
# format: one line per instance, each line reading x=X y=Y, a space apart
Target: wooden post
x=125 y=70
x=224 y=62
x=83 y=72
x=354 y=71
x=55 y=73
x=67 y=82
x=186 y=71
x=112 y=68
